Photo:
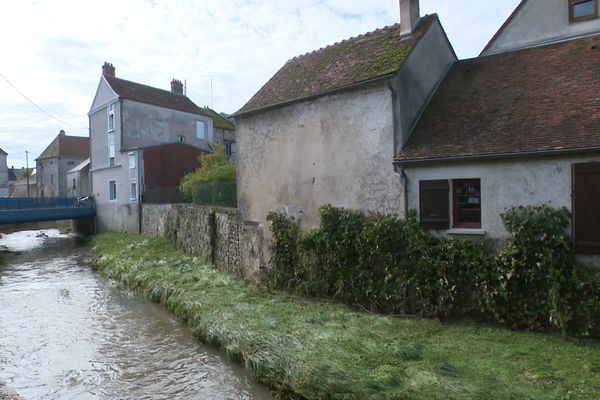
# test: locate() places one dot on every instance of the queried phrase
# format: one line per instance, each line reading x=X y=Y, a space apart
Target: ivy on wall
x=388 y=264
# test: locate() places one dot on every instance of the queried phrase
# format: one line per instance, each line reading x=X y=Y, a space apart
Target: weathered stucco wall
x=218 y=236
x=336 y=149
x=538 y=22
x=505 y=184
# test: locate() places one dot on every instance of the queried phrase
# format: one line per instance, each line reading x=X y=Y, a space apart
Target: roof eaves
x=314 y=96
x=494 y=156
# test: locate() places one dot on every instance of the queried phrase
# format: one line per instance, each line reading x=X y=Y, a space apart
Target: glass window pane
x=584 y=9
x=200 y=130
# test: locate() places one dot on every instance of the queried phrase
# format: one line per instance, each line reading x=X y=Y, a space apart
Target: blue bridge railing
x=17 y=210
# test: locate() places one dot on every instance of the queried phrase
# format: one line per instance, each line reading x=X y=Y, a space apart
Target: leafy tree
x=214 y=167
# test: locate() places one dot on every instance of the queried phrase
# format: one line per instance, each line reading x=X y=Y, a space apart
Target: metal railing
x=45 y=203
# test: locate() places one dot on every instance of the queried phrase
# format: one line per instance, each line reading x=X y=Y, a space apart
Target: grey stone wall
x=218 y=236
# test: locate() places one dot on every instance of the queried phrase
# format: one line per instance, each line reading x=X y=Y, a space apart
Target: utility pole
x=27 y=170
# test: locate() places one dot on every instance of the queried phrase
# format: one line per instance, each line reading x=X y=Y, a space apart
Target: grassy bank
x=320 y=350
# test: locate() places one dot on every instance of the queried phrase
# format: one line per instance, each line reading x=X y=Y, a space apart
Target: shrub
x=388 y=264
x=214 y=167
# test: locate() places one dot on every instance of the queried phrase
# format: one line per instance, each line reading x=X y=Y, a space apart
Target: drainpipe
x=395 y=128
x=139 y=189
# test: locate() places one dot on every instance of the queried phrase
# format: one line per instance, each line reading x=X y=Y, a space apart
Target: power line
x=38 y=107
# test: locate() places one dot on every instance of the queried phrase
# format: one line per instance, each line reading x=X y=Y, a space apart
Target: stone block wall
x=218 y=236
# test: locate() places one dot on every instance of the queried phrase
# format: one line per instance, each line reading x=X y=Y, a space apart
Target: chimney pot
x=409 y=17
x=176 y=86
x=108 y=69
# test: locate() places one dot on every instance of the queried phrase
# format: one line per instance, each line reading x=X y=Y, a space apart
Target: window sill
x=465 y=231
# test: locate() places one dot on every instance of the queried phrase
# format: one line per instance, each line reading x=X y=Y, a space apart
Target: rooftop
x=64 y=146
x=543 y=99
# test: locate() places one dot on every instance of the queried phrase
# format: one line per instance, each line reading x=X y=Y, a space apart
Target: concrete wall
x=336 y=149
x=538 y=22
x=419 y=77
x=218 y=236
x=147 y=125
x=504 y=184
x=47 y=174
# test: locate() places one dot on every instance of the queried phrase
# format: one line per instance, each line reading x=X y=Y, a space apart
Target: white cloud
x=53 y=49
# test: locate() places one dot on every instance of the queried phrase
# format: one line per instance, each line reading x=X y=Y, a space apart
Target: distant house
x=326 y=126
x=79 y=180
x=143 y=140
x=519 y=125
x=4 y=186
x=61 y=155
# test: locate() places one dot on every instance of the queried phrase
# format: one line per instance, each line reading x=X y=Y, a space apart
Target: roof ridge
x=346 y=40
x=148 y=86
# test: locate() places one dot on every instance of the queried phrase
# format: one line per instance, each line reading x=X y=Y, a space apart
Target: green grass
x=319 y=350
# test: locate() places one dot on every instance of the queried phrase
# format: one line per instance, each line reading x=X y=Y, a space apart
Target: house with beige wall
x=326 y=126
x=519 y=125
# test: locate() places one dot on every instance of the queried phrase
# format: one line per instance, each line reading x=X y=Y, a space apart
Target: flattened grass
x=319 y=350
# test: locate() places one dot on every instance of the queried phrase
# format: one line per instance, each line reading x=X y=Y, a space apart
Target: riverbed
x=68 y=333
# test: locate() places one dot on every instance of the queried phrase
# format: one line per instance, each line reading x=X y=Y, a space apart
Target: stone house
x=144 y=139
x=61 y=155
x=326 y=126
x=519 y=125
x=4 y=185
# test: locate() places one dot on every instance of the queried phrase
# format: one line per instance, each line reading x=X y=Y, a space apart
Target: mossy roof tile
x=352 y=61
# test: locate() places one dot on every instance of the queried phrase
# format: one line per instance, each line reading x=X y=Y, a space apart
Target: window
x=228 y=149
x=74 y=184
x=586 y=213
x=200 y=130
x=112 y=190
x=51 y=179
x=131 y=160
x=434 y=204
x=133 y=191
x=70 y=162
x=111 y=155
x=581 y=10
x=111 y=117
x=181 y=139
x=435 y=208
x=466 y=201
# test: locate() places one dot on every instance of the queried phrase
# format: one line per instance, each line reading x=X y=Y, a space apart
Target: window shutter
x=434 y=204
x=586 y=208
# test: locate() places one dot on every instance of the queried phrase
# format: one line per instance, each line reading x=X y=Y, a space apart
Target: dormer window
x=582 y=10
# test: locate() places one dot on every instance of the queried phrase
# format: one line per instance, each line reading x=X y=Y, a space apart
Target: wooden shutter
x=586 y=208
x=434 y=204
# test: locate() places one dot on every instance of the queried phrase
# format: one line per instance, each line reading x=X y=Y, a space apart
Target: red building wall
x=165 y=165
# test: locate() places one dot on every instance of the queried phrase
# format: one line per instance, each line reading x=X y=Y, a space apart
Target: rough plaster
x=538 y=22
x=336 y=149
x=506 y=184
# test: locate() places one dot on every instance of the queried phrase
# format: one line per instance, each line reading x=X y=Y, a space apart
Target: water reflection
x=67 y=333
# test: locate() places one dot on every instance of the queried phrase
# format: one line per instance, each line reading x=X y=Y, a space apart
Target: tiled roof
x=533 y=100
x=363 y=58
x=218 y=120
x=64 y=146
x=151 y=95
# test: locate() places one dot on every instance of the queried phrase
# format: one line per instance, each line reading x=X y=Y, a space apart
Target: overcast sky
x=53 y=50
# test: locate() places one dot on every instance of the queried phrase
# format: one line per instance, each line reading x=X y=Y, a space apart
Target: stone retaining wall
x=216 y=235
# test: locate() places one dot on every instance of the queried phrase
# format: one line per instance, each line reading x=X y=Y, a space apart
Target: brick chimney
x=108 y=69
x=176 y=86
x=409 y=17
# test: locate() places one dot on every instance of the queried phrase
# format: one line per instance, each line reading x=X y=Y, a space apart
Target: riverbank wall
x=217 y=235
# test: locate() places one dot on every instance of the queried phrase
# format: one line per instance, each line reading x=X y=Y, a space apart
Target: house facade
x=79 y=180
x=126 y=118
x=325 y=128
x=61 y=155
x=4 y=185
x=518 y=126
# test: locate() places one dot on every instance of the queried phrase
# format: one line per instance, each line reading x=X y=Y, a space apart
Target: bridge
x=20 y=210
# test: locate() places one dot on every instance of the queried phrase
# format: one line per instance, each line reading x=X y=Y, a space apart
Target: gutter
x=314 y=96
x=496 y=156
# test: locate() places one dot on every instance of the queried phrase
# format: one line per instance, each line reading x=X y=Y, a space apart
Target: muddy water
x=68 y=333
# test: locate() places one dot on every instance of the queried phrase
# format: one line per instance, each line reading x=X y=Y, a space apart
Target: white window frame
x=132 y=161
x=110 y=197
x=201 y=134
x=110 y=117
x=111 y=155
x=133 y=191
